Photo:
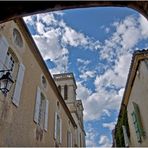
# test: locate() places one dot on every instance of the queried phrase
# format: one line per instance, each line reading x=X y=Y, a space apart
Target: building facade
x=135 y=103
x=34 y=112
x=67 y=86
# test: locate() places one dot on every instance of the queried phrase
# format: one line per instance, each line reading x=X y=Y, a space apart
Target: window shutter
x=138 y=117
x=60 y=130
x=55 y=126
x=3 y=50
x=18 y=86
x=46 y=115
x=37 y=105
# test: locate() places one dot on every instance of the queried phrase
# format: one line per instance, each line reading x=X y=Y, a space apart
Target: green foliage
x=123 y=120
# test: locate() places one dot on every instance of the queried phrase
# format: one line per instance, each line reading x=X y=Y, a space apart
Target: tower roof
x=65 y=76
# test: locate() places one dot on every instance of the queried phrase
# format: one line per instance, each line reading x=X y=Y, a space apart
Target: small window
x=65 y=92
x=44 y=83
x=69 y=139
x=58 y=129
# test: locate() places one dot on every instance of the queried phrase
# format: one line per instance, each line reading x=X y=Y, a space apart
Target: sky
x=96 y=44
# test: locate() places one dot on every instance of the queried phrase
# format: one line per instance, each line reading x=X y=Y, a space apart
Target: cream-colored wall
x=139 y=95
x=79 y=131
x=18 y=127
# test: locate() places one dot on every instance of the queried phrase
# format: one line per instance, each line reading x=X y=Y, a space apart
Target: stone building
x=67 y=86
x=133 y=112
x=34 y=112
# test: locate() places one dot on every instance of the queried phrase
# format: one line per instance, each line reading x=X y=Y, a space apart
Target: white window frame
x=44 y=123
x=58 y=141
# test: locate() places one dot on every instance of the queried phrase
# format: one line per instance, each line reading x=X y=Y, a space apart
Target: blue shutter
x=138 y=118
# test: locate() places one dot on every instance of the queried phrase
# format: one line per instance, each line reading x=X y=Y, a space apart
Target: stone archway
x=11 y=10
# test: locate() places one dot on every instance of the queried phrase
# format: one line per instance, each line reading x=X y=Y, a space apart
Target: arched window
x=65 y=92
x=17 y=38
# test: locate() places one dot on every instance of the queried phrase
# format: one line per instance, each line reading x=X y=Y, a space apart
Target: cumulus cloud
x=109 y=90
x=85 y=71
x=84 y=62
x=74 y=38
x=110 y=125
x=87 y=74
x=52 y=36
x=143 y=26
x=128 y=33
x=109 y=86
x=90 y=136
x=104 y=141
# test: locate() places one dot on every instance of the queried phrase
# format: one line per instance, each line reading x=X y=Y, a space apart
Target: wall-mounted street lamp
x=5 y=81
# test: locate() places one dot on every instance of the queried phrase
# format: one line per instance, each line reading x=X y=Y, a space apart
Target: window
x=41 y=110
x=9 y=61
x=65 y=92
x=69 y=139
x=58 y=129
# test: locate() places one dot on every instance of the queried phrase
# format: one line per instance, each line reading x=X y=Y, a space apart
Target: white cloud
x=110 y=125
x=82 y=92
x=107 y=112
x=52 y=37
x=84 y=69
x=49 y=47
x=106 y=97
x=143 y=26
x=40 y=28
x=104 y=141
x=87 y=74
x=74 y=38
x=107 y=29
x=91 y=134
x=84 y=62
x=128 y=33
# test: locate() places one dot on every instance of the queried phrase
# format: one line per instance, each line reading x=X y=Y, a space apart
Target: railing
x=65 y=75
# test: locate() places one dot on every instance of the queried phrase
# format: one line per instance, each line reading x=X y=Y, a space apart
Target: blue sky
x=96 y=44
